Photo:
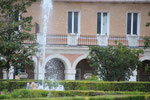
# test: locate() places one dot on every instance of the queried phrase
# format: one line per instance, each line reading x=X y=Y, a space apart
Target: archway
x=54 y=69
x=143 y=74
x=83 y=68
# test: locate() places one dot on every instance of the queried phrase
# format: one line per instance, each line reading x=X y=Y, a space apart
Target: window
x=102 y=23
x=73 y=22
x=17 y=19
x=132 y=23
x=37 y=28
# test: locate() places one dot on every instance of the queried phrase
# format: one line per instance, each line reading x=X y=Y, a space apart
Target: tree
x=147 y=38
x=13 y=48
x=146 y=42
x=114 y=63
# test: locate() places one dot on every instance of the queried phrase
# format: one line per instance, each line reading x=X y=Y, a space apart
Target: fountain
x=53 y=85
x=46 y=9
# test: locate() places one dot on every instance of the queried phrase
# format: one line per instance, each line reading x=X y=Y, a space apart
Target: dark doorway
x=82 y=68
x=143 y=74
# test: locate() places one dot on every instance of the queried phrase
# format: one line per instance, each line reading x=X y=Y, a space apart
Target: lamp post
x=38 y=54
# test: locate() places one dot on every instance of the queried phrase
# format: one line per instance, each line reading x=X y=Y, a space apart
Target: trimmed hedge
x=107 y=86
x=5 y=97
x=23 y=93
x=10 y=85
x=76 y=95
x=84 y=85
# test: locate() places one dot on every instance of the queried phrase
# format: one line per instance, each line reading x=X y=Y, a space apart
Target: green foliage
x=78 y=90
x=147 y=39
x=107 y=86
x=5 y=96
x=43 y=93
x=77 y=95
x=114 y=63
x=29 y=93
x=11 y=85
x=146 y=42
x=93 y=78
x=13 y=51
x=147 y=68
x=84 y=85
x=148 y=23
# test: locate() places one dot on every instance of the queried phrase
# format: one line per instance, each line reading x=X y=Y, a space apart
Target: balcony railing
x=57 y=39
x=123 y=40
x=86 y=40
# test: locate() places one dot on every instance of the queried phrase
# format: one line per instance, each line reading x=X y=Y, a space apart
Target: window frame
x=132 y=21
x=73 y=11
x=108 y=23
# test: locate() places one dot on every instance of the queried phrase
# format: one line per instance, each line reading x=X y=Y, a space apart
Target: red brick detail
x=72 y=57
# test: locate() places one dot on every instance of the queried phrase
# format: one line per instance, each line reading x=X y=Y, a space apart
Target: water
x=46 y=10
x=51 y=86
x=54 y=69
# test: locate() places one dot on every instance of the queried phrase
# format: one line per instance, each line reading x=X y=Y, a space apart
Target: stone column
x=70 y=74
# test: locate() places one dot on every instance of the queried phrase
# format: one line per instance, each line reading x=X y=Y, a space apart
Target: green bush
x=5 y=97
x=75 y=95
x=93 y=78
x=10 y=85
x=107 y=86
x=23 y=93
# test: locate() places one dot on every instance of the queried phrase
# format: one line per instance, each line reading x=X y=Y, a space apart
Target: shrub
x=92 y=78
x=107 y=86
x=23 y=93
x=5 y=96
x=10 y=85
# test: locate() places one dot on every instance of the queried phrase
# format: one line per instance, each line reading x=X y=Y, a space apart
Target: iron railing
x=57 y=39
x=86 y=40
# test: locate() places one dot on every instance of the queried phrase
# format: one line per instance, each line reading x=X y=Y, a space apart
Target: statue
x=11 y=72
x=4 y=74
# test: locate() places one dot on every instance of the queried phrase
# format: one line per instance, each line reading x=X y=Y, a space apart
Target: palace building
x=76 y=24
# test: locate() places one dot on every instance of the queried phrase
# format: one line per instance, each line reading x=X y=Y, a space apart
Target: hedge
x=10 y=85
x=23 y=93
x=77 y=95
x=107 y=86
x=84 y=85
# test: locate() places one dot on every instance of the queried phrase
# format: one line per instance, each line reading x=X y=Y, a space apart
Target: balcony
x=87 y=40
